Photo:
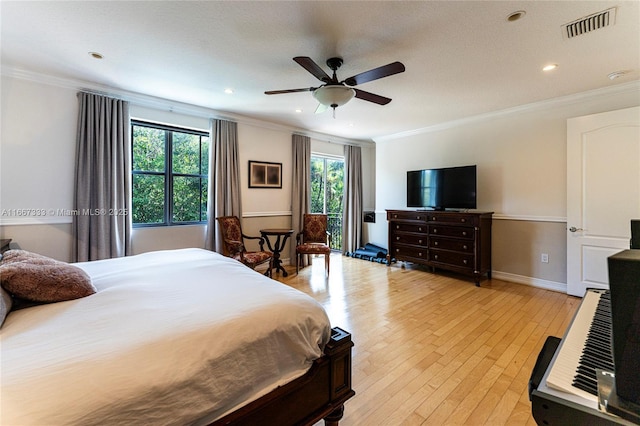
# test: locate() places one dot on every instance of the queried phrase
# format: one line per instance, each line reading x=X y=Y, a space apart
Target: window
x=169 y=175
x=327 y=190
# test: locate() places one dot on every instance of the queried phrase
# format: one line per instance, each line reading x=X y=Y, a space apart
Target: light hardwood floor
x=434 y=349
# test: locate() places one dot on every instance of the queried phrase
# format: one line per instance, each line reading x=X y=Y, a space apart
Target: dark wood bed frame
x=319 y=394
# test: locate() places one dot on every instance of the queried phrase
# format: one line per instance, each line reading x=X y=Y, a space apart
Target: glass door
x=327 y=190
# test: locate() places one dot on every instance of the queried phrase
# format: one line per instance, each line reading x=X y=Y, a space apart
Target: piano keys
x=575 y=369
x=555 y=400
x=563 y=370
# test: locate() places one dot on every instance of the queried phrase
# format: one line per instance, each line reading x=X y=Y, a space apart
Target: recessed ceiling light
x=617 y=74
x=516 y=15
x=549 y=67
x=228 y=91
x=298 y=110
x=96 y=55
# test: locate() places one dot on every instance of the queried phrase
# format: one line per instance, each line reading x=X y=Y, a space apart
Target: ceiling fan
x=334 y=93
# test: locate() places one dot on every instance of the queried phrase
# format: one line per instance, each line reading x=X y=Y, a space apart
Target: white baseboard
x=534 y=282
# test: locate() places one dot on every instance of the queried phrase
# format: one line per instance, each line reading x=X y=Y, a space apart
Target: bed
x=174 y=337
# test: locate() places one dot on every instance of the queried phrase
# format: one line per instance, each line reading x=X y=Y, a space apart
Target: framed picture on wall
x=265 y=175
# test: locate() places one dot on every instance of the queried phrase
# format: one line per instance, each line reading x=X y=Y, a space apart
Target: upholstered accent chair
x=313 y=239
x=234 y=246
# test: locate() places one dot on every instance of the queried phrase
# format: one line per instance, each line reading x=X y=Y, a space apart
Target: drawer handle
x=435 y=243
x=397 y=226
x=433 y=218
x=395 y=216
x=464 y=233
x=420 y=254
x=417 y=217
x=464 y=246
x=397 y=238
x=463 y=220
x=464 y=261
x=435 y=230
x=420 y=229
x=397 y=250
x=419 y=241
x=435 y=257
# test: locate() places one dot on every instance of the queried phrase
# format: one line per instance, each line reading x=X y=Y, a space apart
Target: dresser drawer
x=453 y=218
x=451 y=244
x=409 y=227
x=451 y=231
x=406 y=215
x=411 y=239
x=451 y=258
x=400 y=251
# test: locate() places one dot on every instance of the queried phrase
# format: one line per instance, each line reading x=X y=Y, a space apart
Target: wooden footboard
x=319 y=394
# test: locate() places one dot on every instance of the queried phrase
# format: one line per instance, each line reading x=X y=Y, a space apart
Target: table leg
x=276 y=249
x=284 y=241
x=277 y=263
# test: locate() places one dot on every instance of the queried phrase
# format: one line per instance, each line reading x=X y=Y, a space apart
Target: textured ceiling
x=462 y=58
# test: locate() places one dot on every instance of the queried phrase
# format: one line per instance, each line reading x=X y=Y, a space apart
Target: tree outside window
x=170 y=167
x=327 y=191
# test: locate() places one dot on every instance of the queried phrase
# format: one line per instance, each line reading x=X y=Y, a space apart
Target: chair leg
x=326 y=263
x=297 y=262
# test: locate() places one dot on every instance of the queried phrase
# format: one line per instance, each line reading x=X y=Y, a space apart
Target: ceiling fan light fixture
x=334 y=95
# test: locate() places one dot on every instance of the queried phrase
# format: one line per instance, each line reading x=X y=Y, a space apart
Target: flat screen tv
x=439 y=189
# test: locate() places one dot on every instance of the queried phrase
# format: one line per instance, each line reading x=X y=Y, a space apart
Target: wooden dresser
x=455 y=241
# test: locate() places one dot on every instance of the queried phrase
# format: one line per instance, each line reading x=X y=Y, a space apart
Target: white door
x=603 y=193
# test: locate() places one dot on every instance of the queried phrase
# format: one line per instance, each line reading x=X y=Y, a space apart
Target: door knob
x=574 y=229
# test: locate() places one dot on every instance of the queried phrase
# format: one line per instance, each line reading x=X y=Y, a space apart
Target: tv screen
x=445 y=188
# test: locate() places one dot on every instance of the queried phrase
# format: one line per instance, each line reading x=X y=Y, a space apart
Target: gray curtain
x=352 y=211
x=301 y=185
x=224 y=179
x=102 y=227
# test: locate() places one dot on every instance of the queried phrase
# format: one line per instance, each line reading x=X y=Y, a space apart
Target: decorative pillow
x=16 y=255
x=5 y=305
x=39 y=278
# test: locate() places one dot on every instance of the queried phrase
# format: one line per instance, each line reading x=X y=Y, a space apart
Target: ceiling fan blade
x=309 y=65
x=321 y=108
x=376 y=73
x=278 y=92
x=371 y=97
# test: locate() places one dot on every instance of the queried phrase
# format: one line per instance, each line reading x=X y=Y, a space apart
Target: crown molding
x=535 y=106
x=163 y=104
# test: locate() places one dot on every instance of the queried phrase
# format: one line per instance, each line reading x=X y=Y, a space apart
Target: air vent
x=590 y=23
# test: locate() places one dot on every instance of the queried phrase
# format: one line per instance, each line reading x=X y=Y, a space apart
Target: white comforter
x=171 y=337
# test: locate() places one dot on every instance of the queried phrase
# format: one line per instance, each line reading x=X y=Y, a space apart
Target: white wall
x=521 y=159
x=38 y=119
x=38 y=125
x=273 y=146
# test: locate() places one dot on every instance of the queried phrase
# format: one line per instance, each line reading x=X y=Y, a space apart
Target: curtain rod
x=106 y=94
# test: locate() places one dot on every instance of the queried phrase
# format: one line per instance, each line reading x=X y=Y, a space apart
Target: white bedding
x=170 y=337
